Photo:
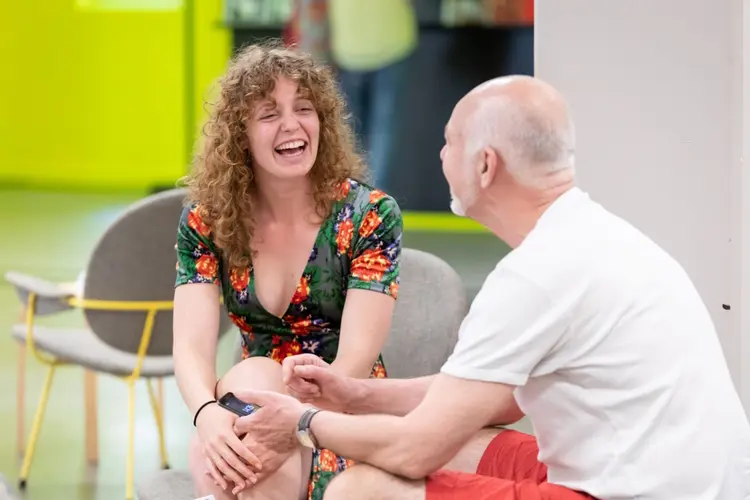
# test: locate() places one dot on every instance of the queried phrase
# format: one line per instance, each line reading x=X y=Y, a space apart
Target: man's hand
x=271 y=455
x=311 y=380
x=270 y=432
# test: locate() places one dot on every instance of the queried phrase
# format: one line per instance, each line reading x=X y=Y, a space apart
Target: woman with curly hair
x=281 y=226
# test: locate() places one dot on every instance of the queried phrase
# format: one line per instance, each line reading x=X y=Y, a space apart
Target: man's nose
x=442 y=153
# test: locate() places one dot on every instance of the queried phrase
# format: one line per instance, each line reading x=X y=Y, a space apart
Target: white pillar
x=656 y=92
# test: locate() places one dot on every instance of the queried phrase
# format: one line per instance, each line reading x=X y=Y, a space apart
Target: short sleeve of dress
x=377 y=246
x=197 y=260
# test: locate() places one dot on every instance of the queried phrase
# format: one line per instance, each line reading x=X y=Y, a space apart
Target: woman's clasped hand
x=227 y=457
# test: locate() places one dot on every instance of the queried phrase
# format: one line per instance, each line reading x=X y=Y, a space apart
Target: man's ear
x=491 y=162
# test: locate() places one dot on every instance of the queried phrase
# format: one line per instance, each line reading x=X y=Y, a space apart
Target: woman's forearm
x=196 y=377
x=196 y=333
x=351 y=368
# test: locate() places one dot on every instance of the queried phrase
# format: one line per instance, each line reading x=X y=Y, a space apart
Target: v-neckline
x=299 y=279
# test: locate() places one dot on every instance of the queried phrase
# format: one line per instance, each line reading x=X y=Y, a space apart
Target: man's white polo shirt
x=615 y=358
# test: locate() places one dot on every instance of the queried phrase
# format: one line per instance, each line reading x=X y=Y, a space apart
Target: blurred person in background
x=304 y=256
x=369 y=43
x=308 y=29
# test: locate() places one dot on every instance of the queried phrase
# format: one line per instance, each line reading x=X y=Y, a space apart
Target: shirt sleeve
x=377 y=247
x=197 y=260
x=512 y=328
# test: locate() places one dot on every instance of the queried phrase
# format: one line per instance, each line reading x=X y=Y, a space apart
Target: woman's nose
x=289 y=122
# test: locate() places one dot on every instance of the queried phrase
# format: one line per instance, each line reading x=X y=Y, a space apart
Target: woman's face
x=283 y=132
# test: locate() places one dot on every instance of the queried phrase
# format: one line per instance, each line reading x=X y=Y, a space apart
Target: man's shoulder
x=558 y=257
x=546 y=257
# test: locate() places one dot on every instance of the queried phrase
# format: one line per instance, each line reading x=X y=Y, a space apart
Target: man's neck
x=512 y=218
x=284 y=201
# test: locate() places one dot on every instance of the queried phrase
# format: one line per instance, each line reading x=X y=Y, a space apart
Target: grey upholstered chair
x=127 y=302
x=6 y=491
x=432 y=303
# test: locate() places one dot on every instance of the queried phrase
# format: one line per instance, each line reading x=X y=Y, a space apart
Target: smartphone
x=230 y=402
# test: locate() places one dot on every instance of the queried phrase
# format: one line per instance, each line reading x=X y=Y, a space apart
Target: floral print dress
x=358 y=246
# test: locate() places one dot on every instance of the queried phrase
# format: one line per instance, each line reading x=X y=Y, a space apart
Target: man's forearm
x=378 y=440
x=388 y=396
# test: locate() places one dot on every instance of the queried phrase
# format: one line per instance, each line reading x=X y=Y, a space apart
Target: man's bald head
x=524 y=120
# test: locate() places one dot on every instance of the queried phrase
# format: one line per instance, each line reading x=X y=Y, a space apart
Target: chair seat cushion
x=82 y=347
x=6 y=492
x=167 y=485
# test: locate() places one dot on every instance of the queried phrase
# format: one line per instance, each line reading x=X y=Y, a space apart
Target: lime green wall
x=94 y=98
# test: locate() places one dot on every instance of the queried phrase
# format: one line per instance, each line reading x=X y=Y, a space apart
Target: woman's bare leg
x=287 y=483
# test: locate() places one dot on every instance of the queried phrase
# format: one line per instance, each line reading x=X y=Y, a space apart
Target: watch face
x=304 y=438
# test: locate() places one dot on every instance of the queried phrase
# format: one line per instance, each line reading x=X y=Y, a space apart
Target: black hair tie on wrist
x=195 y=418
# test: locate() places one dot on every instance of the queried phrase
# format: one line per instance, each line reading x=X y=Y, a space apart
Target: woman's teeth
x=291 y=148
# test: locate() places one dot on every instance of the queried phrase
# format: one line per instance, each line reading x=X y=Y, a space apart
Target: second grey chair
x=127 y=302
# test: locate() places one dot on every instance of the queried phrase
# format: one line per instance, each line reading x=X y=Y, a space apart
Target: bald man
x=587 y=327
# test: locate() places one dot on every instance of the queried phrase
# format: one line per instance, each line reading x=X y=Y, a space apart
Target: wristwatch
x=304 y=434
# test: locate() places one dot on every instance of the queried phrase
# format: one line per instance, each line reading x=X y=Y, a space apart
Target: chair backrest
x=431 y=304
x=135 y=260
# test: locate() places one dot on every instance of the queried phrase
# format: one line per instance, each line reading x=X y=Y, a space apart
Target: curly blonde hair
x=222 y=180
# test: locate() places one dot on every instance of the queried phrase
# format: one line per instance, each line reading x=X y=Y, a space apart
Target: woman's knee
x=258 y=373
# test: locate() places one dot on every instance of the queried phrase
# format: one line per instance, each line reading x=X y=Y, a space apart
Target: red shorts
x=508 y=470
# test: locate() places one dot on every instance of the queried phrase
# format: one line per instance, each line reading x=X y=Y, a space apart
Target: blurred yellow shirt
x=369 y=34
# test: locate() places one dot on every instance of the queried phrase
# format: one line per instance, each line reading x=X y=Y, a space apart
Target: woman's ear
x=243 y=141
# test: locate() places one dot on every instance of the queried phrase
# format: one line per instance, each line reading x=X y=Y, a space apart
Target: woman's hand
x=311 y=380
x=226 y=455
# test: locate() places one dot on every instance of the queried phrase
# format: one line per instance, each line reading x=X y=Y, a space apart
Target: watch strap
x=304 y=424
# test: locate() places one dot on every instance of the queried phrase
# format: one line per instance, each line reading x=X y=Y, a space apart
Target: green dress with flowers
x=358 y=246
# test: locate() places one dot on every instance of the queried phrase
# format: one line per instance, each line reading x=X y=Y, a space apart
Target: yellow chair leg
x=91 y=420
x=130 y=464
x=36 y=427
x=21 y=390
x=157 y=409
x=20 y=399
x=160 y=388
